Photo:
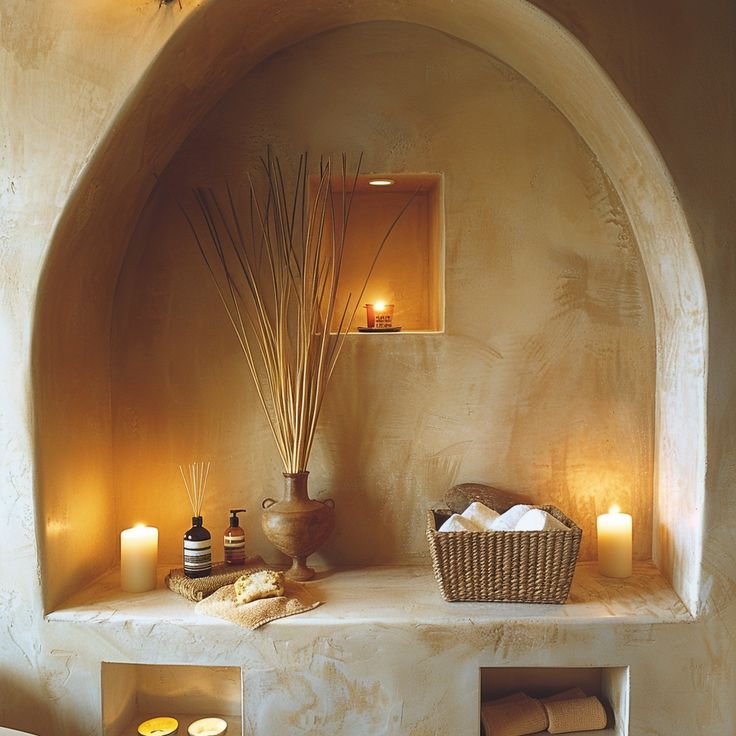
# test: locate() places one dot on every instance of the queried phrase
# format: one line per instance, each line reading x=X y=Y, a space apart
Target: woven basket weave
x=511 y=567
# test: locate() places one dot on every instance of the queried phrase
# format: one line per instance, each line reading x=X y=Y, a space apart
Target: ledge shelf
x=399 y=595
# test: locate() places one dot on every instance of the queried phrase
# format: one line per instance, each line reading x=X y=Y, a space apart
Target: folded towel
x=508 y=520
x=572 y=694
x=457 y=523
x=581 y=714
x=538 y=520
x=481 y=515
x=223 y=603
x=516 y=717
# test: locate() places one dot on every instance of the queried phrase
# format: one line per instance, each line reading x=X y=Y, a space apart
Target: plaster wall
x=543 y=382
x=67 y=68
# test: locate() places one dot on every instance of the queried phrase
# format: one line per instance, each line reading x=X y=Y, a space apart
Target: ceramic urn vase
x=297 y=525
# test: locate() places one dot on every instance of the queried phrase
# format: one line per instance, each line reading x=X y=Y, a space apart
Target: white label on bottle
x=197 y=554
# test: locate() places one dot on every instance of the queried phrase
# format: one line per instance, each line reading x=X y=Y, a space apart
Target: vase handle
x=329 y=502
x=267 y=503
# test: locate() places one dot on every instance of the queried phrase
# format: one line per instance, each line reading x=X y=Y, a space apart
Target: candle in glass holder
x=614 y=544
x=138 y=558
x=379 y=316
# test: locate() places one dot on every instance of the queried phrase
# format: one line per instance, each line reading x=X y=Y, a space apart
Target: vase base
x=299 y=570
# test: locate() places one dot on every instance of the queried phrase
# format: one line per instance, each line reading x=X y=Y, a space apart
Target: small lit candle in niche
x=138 y=558
x=614 y=544
x=208 y=727
x=379 y=316
x=162 y=726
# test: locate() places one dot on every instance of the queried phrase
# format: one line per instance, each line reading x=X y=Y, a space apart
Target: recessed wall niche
x=134 y=693
x=409 y=270
x=539 y=287
x=611 y=685
x=546 y=360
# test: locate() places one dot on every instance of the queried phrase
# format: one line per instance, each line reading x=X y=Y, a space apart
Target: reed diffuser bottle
x=198 y=540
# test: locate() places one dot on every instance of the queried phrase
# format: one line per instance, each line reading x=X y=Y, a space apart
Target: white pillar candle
x=614 y=544
x=138 y=558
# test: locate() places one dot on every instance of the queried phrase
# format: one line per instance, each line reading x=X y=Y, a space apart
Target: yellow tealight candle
x=138 y=558
x=163 y=726
x=614 y=544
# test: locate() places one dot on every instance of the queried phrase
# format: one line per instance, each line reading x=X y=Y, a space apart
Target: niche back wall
x=542 y=382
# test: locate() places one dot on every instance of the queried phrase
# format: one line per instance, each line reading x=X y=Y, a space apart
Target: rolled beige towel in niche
x=581 y=714
x=516 y=717
x=481 y=515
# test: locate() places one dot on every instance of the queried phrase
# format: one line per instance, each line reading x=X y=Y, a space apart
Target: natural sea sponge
x=261 y=584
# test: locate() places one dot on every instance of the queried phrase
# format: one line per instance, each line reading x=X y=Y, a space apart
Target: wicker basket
x=518 y=567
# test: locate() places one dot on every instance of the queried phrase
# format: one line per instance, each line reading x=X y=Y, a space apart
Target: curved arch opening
x=72 y=344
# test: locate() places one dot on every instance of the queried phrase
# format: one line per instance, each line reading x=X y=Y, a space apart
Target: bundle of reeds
x=276 y=263
x=197 y=484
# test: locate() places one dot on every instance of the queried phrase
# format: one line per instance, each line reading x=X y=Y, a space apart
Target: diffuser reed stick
x=197 y=485
x=277 y=270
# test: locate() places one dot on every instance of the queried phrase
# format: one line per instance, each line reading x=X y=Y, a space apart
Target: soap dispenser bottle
x=197 y=550
x=235 y=540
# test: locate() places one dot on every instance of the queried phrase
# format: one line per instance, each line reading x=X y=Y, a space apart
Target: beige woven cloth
x=517 y=716
x=195 y=589
x=223 y=604
x=581 y=714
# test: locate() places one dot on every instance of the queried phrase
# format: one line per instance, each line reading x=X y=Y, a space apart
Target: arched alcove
x=213 y=47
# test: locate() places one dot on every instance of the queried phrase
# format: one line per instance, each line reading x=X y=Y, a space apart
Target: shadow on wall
x=25 y=700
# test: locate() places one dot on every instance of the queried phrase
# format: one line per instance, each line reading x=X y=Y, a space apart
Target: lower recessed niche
x=609 y=684
x=133 y=693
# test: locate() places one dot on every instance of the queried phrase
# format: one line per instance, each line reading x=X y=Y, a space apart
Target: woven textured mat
x=196 y=589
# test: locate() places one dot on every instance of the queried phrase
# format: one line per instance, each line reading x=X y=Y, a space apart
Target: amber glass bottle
x=235 y=540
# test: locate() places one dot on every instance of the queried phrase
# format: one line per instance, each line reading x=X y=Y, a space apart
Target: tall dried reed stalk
x=277 y=270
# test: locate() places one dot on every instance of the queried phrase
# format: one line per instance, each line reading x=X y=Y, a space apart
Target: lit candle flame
x=615 y=509
x=380 y=306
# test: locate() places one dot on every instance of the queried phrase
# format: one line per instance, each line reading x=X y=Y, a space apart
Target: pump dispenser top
x=234 y=541
x=234 y=521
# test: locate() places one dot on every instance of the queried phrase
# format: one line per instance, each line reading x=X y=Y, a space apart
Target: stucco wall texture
x=66 y=70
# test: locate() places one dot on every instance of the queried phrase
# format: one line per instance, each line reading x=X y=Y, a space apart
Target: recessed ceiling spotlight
x=381 y=182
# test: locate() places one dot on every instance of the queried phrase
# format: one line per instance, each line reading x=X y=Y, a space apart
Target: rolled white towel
x=481 y=515
x=508 y=520
x=538 y=520
x=457 y=523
